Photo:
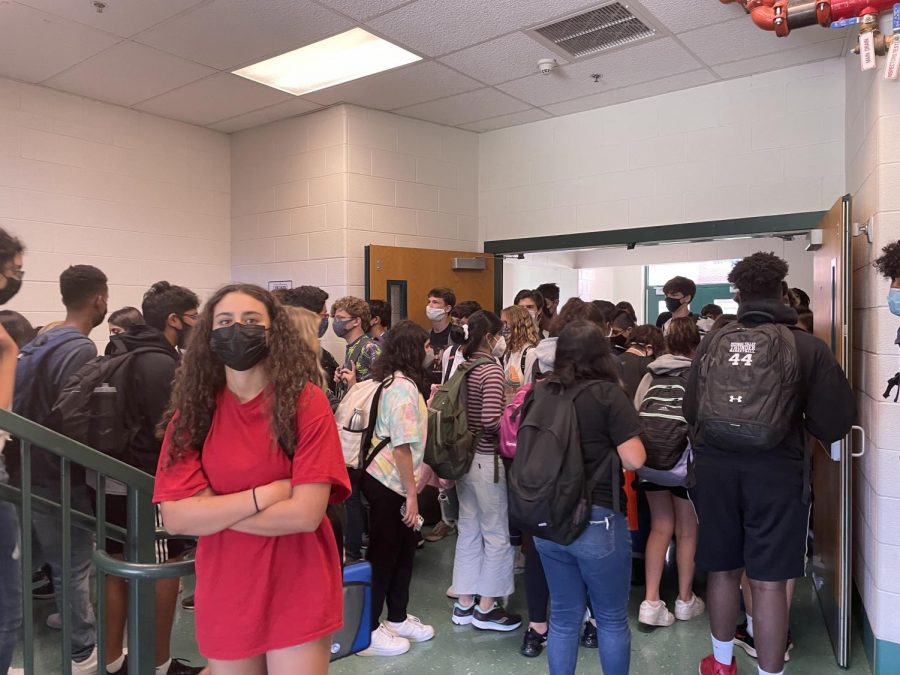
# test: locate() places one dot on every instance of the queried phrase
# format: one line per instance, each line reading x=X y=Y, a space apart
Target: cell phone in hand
x=420 y=521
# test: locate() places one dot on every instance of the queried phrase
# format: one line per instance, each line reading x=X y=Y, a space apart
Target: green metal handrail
x=139 y=537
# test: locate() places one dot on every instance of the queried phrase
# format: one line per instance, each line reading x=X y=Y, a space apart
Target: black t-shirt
x=634 y=368
x=606 y=419
x=439 y=342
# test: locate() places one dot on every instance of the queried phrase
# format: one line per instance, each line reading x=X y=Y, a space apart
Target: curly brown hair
x=290 y=365
x=355 y=307
x=522 y=331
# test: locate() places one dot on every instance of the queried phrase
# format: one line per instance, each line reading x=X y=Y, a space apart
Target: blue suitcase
x=356 y=635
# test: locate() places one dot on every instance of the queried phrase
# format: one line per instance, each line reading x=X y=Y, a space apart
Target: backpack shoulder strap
x=454 y=350
x=366 y=457
x=522 y=362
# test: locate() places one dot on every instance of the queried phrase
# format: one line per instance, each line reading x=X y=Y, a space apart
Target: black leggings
x=537 y=592
x=392 y=550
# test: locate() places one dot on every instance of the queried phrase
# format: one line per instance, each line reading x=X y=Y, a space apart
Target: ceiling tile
x=501 y=60
x=363 y=9
x=122 y=17
x=469 y=107
x=641 y=63
x=273 y=113
x=437 y=27
x=533 y=115
x=35 y=45
x=679 y=16
x=741 y=39
x=225 y=34
x=634 y=92
x=212 y=99
x=398 y=88
x=127 y=74
x=787 y=59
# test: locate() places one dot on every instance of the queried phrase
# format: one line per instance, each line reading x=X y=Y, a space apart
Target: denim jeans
x=596 y=565
x=10 y=583
x=356 y=517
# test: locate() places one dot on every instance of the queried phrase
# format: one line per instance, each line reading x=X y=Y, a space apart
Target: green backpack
x=450 y=447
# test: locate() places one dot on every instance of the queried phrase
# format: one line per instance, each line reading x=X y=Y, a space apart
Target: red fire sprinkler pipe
x=783 y=16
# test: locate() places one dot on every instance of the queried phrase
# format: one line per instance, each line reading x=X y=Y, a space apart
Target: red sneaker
x=709 y=666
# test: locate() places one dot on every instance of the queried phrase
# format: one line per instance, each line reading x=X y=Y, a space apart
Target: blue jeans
x=10 y=583
x=596 y=565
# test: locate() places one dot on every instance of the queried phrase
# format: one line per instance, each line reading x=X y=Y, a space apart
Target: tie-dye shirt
x=402 y=417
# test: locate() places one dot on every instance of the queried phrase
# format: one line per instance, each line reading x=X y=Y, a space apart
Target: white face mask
x=429 y=358
x=499 y=347
x=705 y=324
x=435 y=313
x=533 y=313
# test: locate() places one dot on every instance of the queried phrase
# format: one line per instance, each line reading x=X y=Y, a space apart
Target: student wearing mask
x=441 y=302
x=628 y=307
x=620 y=325
x=250 y=460
x=123 y=319
x=708 y=316
x=351 y=321
x=380 y=323
x=645 y=344
x=521 y=338
x=313 y=299
x=532 y=302
x=550 y=292
x=679 y=292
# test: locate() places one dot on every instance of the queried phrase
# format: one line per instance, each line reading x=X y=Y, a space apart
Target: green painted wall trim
x=883 y=656
x=712 y=229
x=368 y=291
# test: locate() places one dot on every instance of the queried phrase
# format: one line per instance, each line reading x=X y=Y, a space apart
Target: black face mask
x=13 y=286
x=619 y=341
x=184 y=335
x=457 y=334
x=240 y=346
x=672 y=304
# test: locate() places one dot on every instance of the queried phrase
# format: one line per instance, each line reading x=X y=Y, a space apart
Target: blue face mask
x=894 y=301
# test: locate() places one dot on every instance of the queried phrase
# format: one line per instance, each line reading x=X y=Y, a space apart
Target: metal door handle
x=862 y=433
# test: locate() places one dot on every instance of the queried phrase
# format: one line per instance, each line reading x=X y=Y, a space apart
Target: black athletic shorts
x=677 y=491
x=117 y=514
x=752 y=515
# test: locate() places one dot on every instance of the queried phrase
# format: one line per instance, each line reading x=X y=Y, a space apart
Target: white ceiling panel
x=791 y=57
x=363 y=9
x=35 y=45
x=501 y=60
x=741 y=39
x=128 y=73
x=273 y=113
x=464 y=108
x=644 y=90
x=213 y=99
x=398 y=88
x=679 y=16
x=225 y=34
x=121 y=17
x=641 y=63
x=503 y=121
x=437 y=27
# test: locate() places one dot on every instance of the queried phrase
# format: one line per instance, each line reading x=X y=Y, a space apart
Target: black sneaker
x=744 y=640
x=182 y=667
x=188 y=603
x=589 y=639
x=462 y=616
x=533 y=643
x=42 y=583
x=496 y=618
x=790 y=646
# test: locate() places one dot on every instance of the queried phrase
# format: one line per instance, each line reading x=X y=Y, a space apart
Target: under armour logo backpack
x=748 y=386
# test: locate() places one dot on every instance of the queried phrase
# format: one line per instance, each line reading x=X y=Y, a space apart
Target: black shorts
x=117 y=514
x=752 y=515
x=647 y=486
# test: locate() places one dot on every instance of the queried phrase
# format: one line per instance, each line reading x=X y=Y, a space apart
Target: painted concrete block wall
x=537 y=269
x=138 y=196
x=761 y=145
x=873 y=177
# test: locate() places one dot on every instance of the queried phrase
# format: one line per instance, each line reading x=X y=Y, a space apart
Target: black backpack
x=97 y=405
x=549 y=494
x=748 y=386
x=664 y=431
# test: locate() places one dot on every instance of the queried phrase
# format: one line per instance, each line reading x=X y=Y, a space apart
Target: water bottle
x=102 y=430
x=356 y=421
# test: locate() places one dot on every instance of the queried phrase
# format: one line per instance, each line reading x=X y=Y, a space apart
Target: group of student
x=239 y=401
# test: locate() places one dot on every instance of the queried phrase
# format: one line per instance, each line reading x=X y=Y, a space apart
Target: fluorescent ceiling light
x=342 y=58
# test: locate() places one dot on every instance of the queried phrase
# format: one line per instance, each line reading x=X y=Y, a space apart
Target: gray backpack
x=748 y=387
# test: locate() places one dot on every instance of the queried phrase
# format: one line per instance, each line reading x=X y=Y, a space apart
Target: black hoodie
x=153 y=376
x=827 y=408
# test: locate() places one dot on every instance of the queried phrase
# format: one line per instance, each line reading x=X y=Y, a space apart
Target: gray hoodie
x=546 y=354
x=665 y=364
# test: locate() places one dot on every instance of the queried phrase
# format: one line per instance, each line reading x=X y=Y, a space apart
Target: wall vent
x=608 y=27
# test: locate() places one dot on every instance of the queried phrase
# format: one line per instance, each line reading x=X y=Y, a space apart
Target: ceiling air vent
x=598 y=30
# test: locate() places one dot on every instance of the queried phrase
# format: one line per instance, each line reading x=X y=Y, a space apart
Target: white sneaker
x=412 y=629
x=655 y=614
x=54 y=621
x=88 y=666
x=385 y=643
x=15 y=671
x=685 y=611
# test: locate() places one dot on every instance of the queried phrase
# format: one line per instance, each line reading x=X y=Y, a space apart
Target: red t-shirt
x=254 y=593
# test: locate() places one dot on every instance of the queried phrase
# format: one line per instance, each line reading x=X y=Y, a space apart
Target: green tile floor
x=466 y=651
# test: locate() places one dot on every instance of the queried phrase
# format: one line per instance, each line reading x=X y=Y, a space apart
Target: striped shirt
x=484 y=402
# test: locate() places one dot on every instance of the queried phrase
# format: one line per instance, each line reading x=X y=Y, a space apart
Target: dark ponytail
x=480 y=325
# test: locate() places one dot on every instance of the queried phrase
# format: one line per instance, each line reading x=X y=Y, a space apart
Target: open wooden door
x=832 y=486
x=403 y=277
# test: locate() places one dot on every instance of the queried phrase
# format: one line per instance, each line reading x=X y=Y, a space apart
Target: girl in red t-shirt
x=250 y=461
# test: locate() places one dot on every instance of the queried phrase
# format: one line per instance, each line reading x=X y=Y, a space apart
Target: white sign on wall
x=278 y=285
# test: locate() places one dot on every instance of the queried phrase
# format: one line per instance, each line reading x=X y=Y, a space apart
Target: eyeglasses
x=15 y=274
x=192 y=317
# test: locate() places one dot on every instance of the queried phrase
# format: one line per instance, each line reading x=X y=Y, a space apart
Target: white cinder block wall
x=873 y=177
x=140 y=197
x=766 y=144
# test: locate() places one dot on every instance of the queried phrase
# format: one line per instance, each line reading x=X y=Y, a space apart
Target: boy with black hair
x=44 y=367
x=170 y=313
x=679 y=292
x=380 y=323
x=550 y=292
x=314 y=298
x=753 y=505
